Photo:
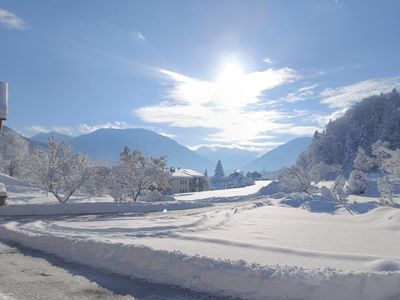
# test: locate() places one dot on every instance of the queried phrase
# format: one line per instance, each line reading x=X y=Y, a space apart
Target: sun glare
x=229 y=84
x=230 y=73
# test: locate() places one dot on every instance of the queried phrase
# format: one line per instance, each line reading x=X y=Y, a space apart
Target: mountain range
x=32 y=144
x=279 y=157
x=106 y=144
x=43 y=137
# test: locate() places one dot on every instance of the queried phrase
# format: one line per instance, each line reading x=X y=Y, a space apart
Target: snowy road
x=236 y=192
x=29 y=274
x=252 y=230
x=255 y=248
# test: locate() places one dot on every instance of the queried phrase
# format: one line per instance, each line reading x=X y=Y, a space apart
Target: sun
x=230 y=73
x=230 y=85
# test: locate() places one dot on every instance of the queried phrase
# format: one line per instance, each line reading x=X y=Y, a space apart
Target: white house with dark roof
x=187 y=181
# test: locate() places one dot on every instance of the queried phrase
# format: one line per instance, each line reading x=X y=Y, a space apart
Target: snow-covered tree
x=99 y=181
x=322 y=171
x=59 y=171
x=386 y=191
x=13 y=151
x=237 y=179
x=136 y=172
x=380 y=152
x=338 y=190
x=255 y=175
x=362 y=161
x=391 y=164
x=297 y=177
x=372 y=119
x=357 y=183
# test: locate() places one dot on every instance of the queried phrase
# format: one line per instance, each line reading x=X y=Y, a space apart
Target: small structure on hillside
x=187 y=181
x=3 y=194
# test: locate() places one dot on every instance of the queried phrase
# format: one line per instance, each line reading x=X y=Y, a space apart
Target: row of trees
x=62 y=173
x=13 y=153
x=233 y=180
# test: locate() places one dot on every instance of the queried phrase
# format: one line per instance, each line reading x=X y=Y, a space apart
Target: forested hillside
x=374 y=118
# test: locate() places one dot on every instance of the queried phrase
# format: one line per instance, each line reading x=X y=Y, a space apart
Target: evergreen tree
x=362 y=161
x=363 y=142
x=205 y=173
x=219 y=171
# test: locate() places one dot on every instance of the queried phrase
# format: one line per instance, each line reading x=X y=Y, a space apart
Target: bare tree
x=136 y=172
x=392 y=164
x=59 y=171
x=388 y=159
x=297 y=177
x=99 y=180
x=386 y=191
x=338 y=190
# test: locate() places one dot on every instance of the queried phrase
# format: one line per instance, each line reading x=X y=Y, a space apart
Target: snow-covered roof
x=185 y=173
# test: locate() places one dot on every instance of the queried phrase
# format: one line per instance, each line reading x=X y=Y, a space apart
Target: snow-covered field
x=259 y=247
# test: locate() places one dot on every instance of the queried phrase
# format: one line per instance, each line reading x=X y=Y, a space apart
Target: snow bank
x=225 y=278
x=17 y=185
x=156 y=196
x=93 y=208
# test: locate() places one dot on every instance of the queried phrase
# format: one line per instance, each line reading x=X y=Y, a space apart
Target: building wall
x=187 y=185
x=180 y=185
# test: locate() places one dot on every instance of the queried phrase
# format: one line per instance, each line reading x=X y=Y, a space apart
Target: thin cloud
x=343 y=97
x=249 y=148
x=267 y=60
x=10 y=20
x=85 y=128
x=79 y=129
x=238 y=92
x=302 y=94
x=37 y=129
x=228 y=109
x=138 y=35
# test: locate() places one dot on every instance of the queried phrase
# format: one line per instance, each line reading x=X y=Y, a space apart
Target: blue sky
x=250 y=74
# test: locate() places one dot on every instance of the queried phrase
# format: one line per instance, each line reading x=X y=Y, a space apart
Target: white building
x=187 y=181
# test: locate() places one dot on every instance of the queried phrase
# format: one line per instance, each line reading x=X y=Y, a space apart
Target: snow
x=185 y=173
x=233 y=243
x=16 y=185
x=27 y=200
x=5 y=297
x=241 y=250
x=93 y=208
x=236 y=192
